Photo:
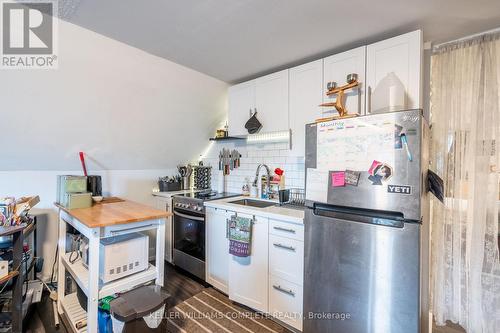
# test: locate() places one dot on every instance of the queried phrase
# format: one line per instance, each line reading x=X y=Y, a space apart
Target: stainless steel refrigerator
x=366 y=225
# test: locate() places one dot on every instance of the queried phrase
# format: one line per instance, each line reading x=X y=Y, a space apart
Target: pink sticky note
x=338 y=178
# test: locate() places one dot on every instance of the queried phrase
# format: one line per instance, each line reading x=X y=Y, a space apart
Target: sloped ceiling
x=125 y=108
x=233 y=40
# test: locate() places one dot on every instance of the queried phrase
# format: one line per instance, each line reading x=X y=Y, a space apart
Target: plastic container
x=128 y=311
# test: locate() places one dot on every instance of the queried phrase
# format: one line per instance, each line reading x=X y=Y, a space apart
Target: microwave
x=120 y=256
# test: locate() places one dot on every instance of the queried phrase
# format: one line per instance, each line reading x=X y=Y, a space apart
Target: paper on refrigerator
x=353 y=144
x=317 y=185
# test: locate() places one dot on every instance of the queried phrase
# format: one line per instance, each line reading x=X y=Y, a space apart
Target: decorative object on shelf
x=229 y=160
x=253 y=125
x=222 y=133
x=339 y=104
x=202 y=177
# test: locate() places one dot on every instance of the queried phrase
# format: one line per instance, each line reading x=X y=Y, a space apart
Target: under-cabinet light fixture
x=271 y=137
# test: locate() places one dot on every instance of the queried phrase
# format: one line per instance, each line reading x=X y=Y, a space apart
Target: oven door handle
x=197 y=218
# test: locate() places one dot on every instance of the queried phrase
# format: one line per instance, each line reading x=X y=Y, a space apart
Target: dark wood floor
x=178 y=284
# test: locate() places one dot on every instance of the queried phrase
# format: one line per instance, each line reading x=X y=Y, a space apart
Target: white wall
x=128 y=184
x=136 y=116
x=126 y=108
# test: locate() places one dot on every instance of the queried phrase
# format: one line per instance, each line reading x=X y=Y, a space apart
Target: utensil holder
x=168 y=187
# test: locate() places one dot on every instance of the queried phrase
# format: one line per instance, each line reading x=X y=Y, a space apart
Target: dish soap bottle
x=245 y=189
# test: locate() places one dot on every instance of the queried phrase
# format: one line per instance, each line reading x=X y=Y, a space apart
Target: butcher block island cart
x=110 y=218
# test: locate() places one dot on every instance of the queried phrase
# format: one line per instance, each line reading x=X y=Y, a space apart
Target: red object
x=82 y=159
x=278 y=171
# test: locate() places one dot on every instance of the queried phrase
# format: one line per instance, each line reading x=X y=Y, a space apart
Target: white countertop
x=274 y=212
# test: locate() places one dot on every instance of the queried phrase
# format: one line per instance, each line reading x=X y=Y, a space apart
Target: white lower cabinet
x=269 y=280
x=286 y=272
x=165 y=203
x=286 y=258
x=217 y=248
x=285 y=301
x=248 y=276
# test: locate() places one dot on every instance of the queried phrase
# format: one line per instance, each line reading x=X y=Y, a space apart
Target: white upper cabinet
x=241 y=99
x=389 y=73
x=271 y=101
x=306 y=94
x=335 y=69
x=268 y=95
x=393 y=73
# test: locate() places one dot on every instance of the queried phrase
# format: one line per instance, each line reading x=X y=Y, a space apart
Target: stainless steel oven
x=189 y=236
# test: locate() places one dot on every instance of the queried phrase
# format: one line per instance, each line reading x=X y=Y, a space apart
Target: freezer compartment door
x=372 y=162
x=360 y=277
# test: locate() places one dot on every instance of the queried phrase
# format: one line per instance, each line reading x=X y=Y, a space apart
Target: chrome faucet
x=268 y=185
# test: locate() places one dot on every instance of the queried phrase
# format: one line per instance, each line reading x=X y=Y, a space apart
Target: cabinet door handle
x=368 y=100
x=288 y=292
x=291 y=248
x=284 y=229
x=227 y=228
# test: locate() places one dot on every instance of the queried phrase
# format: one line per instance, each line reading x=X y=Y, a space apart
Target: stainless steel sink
x=253 y=203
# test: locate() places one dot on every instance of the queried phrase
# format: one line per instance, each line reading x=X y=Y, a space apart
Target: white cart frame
x=88 y=279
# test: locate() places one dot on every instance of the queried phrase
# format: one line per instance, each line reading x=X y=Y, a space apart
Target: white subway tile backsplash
x=273 y=154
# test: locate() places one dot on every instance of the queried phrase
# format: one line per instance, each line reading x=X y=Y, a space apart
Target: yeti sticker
x=399 y=189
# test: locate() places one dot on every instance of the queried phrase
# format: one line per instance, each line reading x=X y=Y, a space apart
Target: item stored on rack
x=122 y=255
x=229 y=160
x=297 y=196
x=202 y=177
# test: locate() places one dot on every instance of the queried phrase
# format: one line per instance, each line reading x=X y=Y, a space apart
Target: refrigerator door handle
x=394 y=220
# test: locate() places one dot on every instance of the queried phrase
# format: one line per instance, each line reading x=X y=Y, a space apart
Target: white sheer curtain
x=465 y=99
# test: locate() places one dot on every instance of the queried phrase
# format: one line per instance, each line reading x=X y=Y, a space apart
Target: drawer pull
x=284 y=229
x=288 y=292
x=291 y=248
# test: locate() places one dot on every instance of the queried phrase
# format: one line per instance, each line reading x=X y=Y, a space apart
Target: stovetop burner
x=208 y=195
x=193 y=201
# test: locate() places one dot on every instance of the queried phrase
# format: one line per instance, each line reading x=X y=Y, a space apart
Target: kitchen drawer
x=286 y=229
x=286 y=258
x=285 y=301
